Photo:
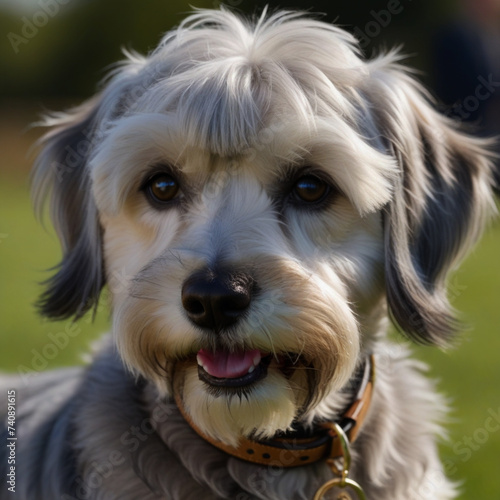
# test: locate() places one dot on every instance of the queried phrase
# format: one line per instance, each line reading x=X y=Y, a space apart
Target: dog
x=270 y=201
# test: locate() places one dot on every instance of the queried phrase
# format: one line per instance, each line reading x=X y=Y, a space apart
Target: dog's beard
x=300 y=324
x=267 y=406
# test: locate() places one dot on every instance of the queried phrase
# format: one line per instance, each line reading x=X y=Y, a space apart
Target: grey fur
x=62 y=172
x=416 y=290
x=100 y=428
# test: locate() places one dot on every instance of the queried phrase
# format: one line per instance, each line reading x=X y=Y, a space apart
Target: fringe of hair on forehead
x=222 y=76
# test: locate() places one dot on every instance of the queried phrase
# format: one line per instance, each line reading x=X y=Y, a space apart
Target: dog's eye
x=162 y=188
x=310 y=189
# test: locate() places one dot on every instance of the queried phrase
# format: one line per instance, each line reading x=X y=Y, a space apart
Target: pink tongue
x=222 y=364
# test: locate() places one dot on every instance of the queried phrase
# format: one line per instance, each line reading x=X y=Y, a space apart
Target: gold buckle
x=343 y=482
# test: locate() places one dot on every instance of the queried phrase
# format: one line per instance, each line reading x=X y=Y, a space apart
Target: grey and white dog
x=268 y=199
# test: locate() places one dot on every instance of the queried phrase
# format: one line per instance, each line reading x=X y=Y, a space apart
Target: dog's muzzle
x=215 y=301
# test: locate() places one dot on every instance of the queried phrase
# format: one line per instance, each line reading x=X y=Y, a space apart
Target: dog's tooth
x=256 y=360
x=199 y=361
x=251 y=369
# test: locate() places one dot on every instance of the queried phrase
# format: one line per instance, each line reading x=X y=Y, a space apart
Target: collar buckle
x=340 y=467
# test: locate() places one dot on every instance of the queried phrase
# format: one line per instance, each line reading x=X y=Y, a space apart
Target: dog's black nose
x=216 y=299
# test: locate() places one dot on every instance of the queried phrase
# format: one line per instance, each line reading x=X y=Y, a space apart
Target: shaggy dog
x=259 y=199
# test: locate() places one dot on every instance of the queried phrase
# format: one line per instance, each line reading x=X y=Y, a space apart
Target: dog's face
x=255 y=195
x=248 y=273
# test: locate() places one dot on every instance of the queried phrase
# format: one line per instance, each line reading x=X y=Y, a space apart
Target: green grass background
x=469 y=375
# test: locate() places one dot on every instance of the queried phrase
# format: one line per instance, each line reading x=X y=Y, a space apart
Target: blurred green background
x=60 y=63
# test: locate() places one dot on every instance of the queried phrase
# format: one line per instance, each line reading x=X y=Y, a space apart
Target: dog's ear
x=61 y=173
x=440 y=202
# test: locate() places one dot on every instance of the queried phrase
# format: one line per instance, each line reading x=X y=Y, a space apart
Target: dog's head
x=254 y=195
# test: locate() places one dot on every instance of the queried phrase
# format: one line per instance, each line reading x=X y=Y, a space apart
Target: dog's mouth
x=232 y=370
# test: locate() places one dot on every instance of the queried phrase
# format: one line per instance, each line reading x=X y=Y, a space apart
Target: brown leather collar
x=299 y=448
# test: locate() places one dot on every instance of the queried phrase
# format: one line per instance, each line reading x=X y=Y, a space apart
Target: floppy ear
x=440 y=202
x=61 y=173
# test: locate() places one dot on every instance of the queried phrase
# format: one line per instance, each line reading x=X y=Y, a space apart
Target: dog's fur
x=237 y=111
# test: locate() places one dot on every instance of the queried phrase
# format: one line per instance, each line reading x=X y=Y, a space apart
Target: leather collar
x=299 y=447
